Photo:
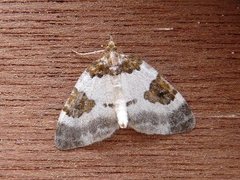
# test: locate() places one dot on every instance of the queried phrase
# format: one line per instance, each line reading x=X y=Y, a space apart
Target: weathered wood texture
x=200 y=56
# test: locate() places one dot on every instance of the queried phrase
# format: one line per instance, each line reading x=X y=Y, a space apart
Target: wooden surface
x=200 y=55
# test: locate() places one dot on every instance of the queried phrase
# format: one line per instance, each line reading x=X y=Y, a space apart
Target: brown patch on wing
x=134 y=101
x=77 y=104
x=100 y=68
x=111 y=105
x=160 y=91
x=130 y=64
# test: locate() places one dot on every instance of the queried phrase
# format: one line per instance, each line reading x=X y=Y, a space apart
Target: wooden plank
x=200 y=55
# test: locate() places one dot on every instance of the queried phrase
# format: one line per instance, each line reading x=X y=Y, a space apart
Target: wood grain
x=200 y=56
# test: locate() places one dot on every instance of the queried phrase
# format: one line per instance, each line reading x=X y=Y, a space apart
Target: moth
x=119 y=91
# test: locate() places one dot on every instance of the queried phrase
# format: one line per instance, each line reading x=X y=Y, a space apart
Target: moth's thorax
x=112 y=58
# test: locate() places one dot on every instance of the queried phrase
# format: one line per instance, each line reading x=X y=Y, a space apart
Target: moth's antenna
x=110 y=37
x=88 y=53
x=111 y=45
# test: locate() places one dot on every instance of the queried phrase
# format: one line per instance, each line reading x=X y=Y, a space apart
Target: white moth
x=119 y=90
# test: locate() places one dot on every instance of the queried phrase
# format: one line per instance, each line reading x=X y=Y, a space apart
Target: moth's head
x=111 y=45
